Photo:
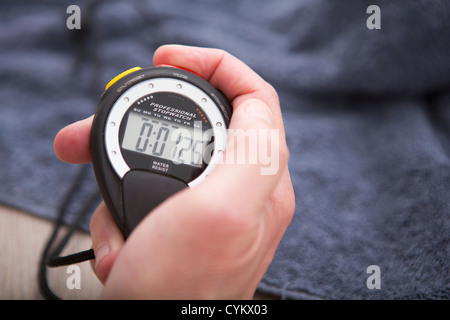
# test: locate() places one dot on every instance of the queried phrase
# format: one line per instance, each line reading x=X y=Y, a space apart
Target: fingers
x=71 y=144
x=255 y=107
x=107 y=240
x=255 y=155
x=235 y=196
x=214 y=65
x=225 y=72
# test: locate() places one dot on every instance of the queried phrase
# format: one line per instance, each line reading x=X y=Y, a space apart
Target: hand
x=214 y=241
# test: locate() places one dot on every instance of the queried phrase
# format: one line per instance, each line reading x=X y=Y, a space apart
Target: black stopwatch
x=156 y=131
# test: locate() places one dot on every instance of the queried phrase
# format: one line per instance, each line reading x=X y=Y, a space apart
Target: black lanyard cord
x=50 y=257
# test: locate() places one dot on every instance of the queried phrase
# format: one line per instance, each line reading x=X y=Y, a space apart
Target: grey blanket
x=367 y=115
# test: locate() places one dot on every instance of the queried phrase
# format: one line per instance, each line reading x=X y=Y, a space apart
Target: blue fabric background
x=367 y=115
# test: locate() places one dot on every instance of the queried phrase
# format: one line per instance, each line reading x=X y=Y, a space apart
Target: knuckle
x=272 y=91
x=226 y=219
x=271 y=94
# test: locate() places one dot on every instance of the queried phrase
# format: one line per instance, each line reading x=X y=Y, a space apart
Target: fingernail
x=258 y=109
x=101 y=252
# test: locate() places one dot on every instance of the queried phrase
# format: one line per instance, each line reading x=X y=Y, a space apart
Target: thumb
x=254 y=158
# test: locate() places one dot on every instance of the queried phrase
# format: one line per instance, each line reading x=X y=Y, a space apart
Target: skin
x=214 y=241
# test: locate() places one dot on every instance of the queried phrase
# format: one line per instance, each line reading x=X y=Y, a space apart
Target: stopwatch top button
x=120 y=76
x=171 y=66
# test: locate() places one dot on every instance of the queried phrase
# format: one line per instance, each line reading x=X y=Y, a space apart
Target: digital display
x=164 y=139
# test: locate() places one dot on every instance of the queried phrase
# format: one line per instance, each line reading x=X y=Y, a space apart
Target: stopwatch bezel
x=152 y=86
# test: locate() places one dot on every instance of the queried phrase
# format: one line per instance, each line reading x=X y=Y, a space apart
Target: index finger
x=225 y=72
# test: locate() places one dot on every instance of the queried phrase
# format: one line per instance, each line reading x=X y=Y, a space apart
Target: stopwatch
x=156 y=131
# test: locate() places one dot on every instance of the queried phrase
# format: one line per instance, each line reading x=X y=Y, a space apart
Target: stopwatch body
x=156 y=131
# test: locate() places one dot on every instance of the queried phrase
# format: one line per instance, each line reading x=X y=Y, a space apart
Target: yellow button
x=120 y=76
